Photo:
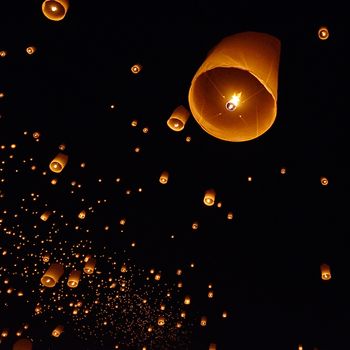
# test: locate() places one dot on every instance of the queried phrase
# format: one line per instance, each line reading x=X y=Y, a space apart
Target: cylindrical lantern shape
x=55 y=9
x=178 y=118
x=233 y=95
x=58 y=163
x=164 y=177
x=52 y=275
x=44 y=216
x=325 y=272
x=209 y=197
x=89 y=266
x=57 y=331
x=22 y=344
x=73 y=279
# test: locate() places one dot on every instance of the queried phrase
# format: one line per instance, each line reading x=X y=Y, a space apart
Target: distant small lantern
x=74 y=278
x=52 y=275
x=164 y=177
x=323 y=33
x=233 y=95
x=187 y=300
x=209 y=197
x=55 y=10
x=325 y=272
x=178 y=118
x=3 y=53
x=22 y=344
x=30 y=50
x=136 y=68
x=161 y=321
x=324 y=181
x=230 y=215
x=82 y=214
x=224 y=314
x=58 y=331
x=90 y=266
x=195 y=225
x=58 y=163
x=4 y=333
x=44 y=216
x=212 y=346
x=203 y=321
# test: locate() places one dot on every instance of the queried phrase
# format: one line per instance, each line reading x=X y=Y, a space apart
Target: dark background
x=264 y=264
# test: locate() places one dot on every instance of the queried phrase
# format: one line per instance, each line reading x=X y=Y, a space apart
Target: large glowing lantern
x=178 y=118
x=22 y=344
x=55 y=9
x=74 y=278
x=52 y=275
x=58 y=163
x=233 y=95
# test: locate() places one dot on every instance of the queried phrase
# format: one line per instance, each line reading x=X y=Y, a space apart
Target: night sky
x=255 y=278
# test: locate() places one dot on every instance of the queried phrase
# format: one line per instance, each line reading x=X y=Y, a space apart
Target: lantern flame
x=232 y=104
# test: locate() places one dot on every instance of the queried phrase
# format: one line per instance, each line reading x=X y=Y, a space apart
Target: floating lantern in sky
x=164 y=177
x=209 y=197
x=22 y=344
x=323 y=33
x=73 y=279
x=82 y=214
x=324 y=181
x=30 y=50
x=325 y=272
x=44 y=216
x=52 y=275
x=178 y=118
x=58 y=163
x=55 y=10
x=57 y=331
x=233 y=95
x=136 y=68
x=89 y=266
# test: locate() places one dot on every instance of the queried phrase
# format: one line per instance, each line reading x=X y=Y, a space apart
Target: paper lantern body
x=55 y=10
x=22 y=344
x=74 y=278
x=58 y=163
x=89 y=266
x=233 y=95
x=178 y=118
x=164 y=176
x=209 y=197
x=325 y=272
x=52 y=275
x=57 y=331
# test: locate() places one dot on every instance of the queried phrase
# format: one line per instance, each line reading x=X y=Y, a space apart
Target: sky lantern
x=73 y=279
x=325 y=272
x=323 y=33
x=57 y=331
x=52 y=275
x=89 y=266
x=209 y=197
x=44 y=216
x=233 y=95
x=164 y=176
x=58 y=163
x=22 y=344
x=178 y=118
x=55 y=10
